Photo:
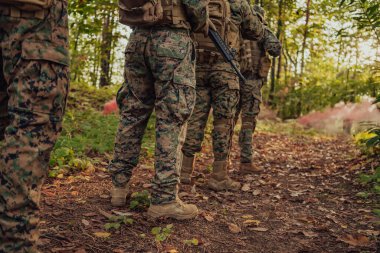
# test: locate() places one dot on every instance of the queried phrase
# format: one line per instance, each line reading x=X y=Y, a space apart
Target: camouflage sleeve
x=251 y=27
x=270 y=43
x=197 y=12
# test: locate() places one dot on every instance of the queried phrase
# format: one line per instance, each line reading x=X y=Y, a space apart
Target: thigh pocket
x=41 y=79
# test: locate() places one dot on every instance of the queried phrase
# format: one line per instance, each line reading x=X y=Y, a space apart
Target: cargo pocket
x=184 y=80
x=176 y=51
x=46 y=51
x=42 y=78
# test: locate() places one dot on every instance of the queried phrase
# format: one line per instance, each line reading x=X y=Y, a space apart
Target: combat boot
x=119 y=196
x=249 y=168
x=176 y=210
x=219 y=179
x=187 y=169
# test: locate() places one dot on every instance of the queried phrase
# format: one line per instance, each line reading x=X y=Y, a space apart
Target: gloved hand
x=271 y=43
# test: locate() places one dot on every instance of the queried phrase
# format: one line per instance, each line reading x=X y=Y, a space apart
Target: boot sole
x=174 y=216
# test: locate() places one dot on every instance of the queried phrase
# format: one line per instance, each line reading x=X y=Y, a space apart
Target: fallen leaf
x=246 y=187
x=102 y=234
x=259 y=229
x=356 y=240
x=104 y=196
x=248 y=216
x=146 y=186
x=251 y=223
x=309 y=234
x=105 y=214
x=85 y=222
x=256 y=192
x=122 y=213
x=234 y=228
x=208 y=217
x=89 y=214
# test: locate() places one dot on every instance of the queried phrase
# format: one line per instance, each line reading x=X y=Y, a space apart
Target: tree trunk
x=306 y=33
x=275 y=77
x=106 y=51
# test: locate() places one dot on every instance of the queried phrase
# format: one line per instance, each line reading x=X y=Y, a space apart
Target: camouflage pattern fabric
x=34 y=83
x=218 y=90
x=270 y=43
x=249 y=107
x=160 y=76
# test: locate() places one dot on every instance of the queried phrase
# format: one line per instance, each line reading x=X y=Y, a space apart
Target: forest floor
x=308 y=199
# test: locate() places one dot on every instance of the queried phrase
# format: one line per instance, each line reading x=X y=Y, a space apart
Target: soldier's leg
x=196 y=127
x=136 y=102
x=225 y=99
x=4 y=119
x=174 y=72
x=248 y=101
x=38 y=81
x=250 y=111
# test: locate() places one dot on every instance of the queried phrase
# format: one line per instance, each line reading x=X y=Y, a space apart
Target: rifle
x=225 y=51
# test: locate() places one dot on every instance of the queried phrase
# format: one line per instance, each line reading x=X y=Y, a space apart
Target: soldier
x=255 y=65
x=34 y=83
x=160 y=76
x=218 y=88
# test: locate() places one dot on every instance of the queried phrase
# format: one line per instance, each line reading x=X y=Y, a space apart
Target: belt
x=14 y=12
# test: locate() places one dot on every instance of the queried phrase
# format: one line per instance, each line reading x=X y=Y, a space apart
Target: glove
x=271 y=44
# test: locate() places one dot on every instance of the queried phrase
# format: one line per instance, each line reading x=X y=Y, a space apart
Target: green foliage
x=140 y=201
x=191 y=242
x=161 y=234
x=88 y=132
x=64 y=162
x=117 y=221
x=365 y=12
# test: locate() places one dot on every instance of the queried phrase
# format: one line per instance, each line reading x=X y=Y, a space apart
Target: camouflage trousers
x=249 y=108
x=33 y=89
x=217 y=90
x=160 y=76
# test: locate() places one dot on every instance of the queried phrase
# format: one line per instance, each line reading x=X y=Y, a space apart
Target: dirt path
x=304 y=202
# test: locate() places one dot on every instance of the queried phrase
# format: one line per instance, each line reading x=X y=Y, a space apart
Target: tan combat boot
x=249 y=168
x=176 y=210
x=187 y=169
x=219 y=179
x=119 y=196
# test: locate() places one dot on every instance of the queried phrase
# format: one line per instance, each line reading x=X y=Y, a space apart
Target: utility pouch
x=28 y=5
x=140 y=13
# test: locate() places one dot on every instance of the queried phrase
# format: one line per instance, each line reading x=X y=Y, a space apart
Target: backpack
x=220 y=15
x=28 y=5
x=145 y=13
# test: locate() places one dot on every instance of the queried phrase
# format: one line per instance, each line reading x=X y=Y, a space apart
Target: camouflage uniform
x=34 y=83
x=218 y=88
x=160 y=76
x=255 y=65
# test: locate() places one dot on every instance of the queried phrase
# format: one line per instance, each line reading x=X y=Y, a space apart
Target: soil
x=305 y=200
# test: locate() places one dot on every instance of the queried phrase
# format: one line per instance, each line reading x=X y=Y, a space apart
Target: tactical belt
x=17 y=13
